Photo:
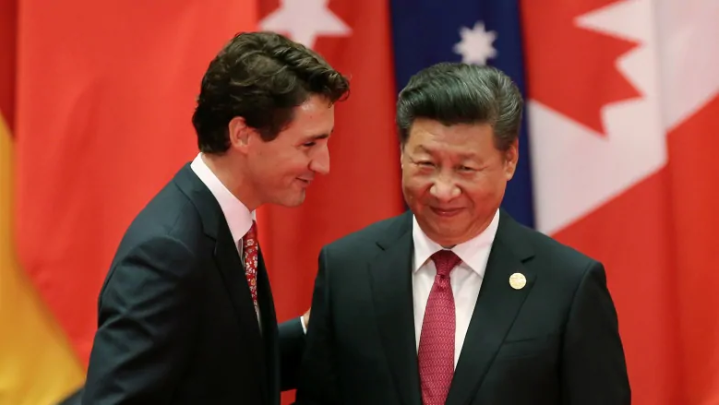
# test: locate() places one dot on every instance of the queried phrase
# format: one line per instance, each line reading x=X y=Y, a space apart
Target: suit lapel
x=392 y=289
x=496 y=309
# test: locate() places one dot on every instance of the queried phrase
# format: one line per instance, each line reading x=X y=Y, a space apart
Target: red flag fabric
x=38 y=366
x=105 y=93
x=624 y=124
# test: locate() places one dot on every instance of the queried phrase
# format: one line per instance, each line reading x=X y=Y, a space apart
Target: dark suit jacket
x=176 y=320
x=554 y=341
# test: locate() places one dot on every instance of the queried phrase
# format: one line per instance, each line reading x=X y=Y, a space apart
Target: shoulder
x=169 y=222
x=550 y=249
x=368 y=240
x=548 y=255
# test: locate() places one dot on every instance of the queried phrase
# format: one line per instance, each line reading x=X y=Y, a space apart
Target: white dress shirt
x=237 y=215
x=466 y=278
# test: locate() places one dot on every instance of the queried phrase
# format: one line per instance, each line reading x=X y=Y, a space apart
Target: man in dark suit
x=454 y=302
x=186 y=313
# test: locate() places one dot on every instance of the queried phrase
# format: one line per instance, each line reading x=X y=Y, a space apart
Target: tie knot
x=445 y=260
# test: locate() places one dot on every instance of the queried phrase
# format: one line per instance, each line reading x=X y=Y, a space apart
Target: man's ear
x=510 y=160
x=239 y=134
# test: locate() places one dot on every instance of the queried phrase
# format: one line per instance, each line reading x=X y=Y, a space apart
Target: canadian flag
x=624 y=132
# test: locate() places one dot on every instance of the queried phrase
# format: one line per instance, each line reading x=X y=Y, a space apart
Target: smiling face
x=283 y=168
x=454 y=178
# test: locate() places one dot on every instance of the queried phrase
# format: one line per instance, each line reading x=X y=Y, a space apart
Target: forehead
x=431 y=135
x=314 y=115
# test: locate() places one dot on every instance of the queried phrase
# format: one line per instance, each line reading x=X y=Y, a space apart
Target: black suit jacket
x=555 y=341
x=176 y=320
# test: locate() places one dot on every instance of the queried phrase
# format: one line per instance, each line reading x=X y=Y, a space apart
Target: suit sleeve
x=317 y=381
x=292 y=344
x=594 y=365
x=145 y=326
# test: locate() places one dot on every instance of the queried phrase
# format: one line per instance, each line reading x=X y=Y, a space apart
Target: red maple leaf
x=572 y=69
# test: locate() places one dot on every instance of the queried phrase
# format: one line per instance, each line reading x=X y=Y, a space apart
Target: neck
x=227 y=170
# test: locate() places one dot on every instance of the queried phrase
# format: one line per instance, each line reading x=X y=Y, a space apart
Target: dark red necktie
x=250 y=255
x=436 y=351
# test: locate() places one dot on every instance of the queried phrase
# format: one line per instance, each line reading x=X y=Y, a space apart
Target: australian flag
x=483 y=32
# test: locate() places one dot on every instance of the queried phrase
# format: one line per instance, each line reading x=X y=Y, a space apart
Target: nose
x=444 y=189
x=321 y=162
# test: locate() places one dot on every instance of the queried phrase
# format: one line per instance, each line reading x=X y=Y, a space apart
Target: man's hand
x=306 y=319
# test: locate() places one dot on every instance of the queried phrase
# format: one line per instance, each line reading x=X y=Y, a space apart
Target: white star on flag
x=476 y=44
x=305 y=20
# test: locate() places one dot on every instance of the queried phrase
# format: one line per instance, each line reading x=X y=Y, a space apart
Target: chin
x=447 y=234
x=292 y=202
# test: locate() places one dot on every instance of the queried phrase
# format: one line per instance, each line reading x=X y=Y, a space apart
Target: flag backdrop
x=623 y=118
x=618 y=154
x=37 y=365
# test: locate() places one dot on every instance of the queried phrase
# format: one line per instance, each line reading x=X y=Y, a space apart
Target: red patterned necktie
x=250 y=255
x=436 y=351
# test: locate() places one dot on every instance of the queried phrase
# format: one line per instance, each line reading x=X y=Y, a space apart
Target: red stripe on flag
x=694 y=179
x=632 y=236
x=659 y=243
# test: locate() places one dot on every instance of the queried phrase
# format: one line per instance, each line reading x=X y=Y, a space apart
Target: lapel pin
x=517 y=281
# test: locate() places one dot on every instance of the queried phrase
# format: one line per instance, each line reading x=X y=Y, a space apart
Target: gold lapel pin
x=517 y=281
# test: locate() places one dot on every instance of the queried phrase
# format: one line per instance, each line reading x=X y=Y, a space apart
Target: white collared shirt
x=239 y=218
x=466 y=278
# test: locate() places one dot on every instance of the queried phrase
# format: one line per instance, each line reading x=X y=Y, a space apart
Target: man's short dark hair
x=262 y=77
x=458 y=93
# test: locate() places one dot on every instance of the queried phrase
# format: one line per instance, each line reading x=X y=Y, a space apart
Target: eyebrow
x=464 y=156
x=319 y=136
